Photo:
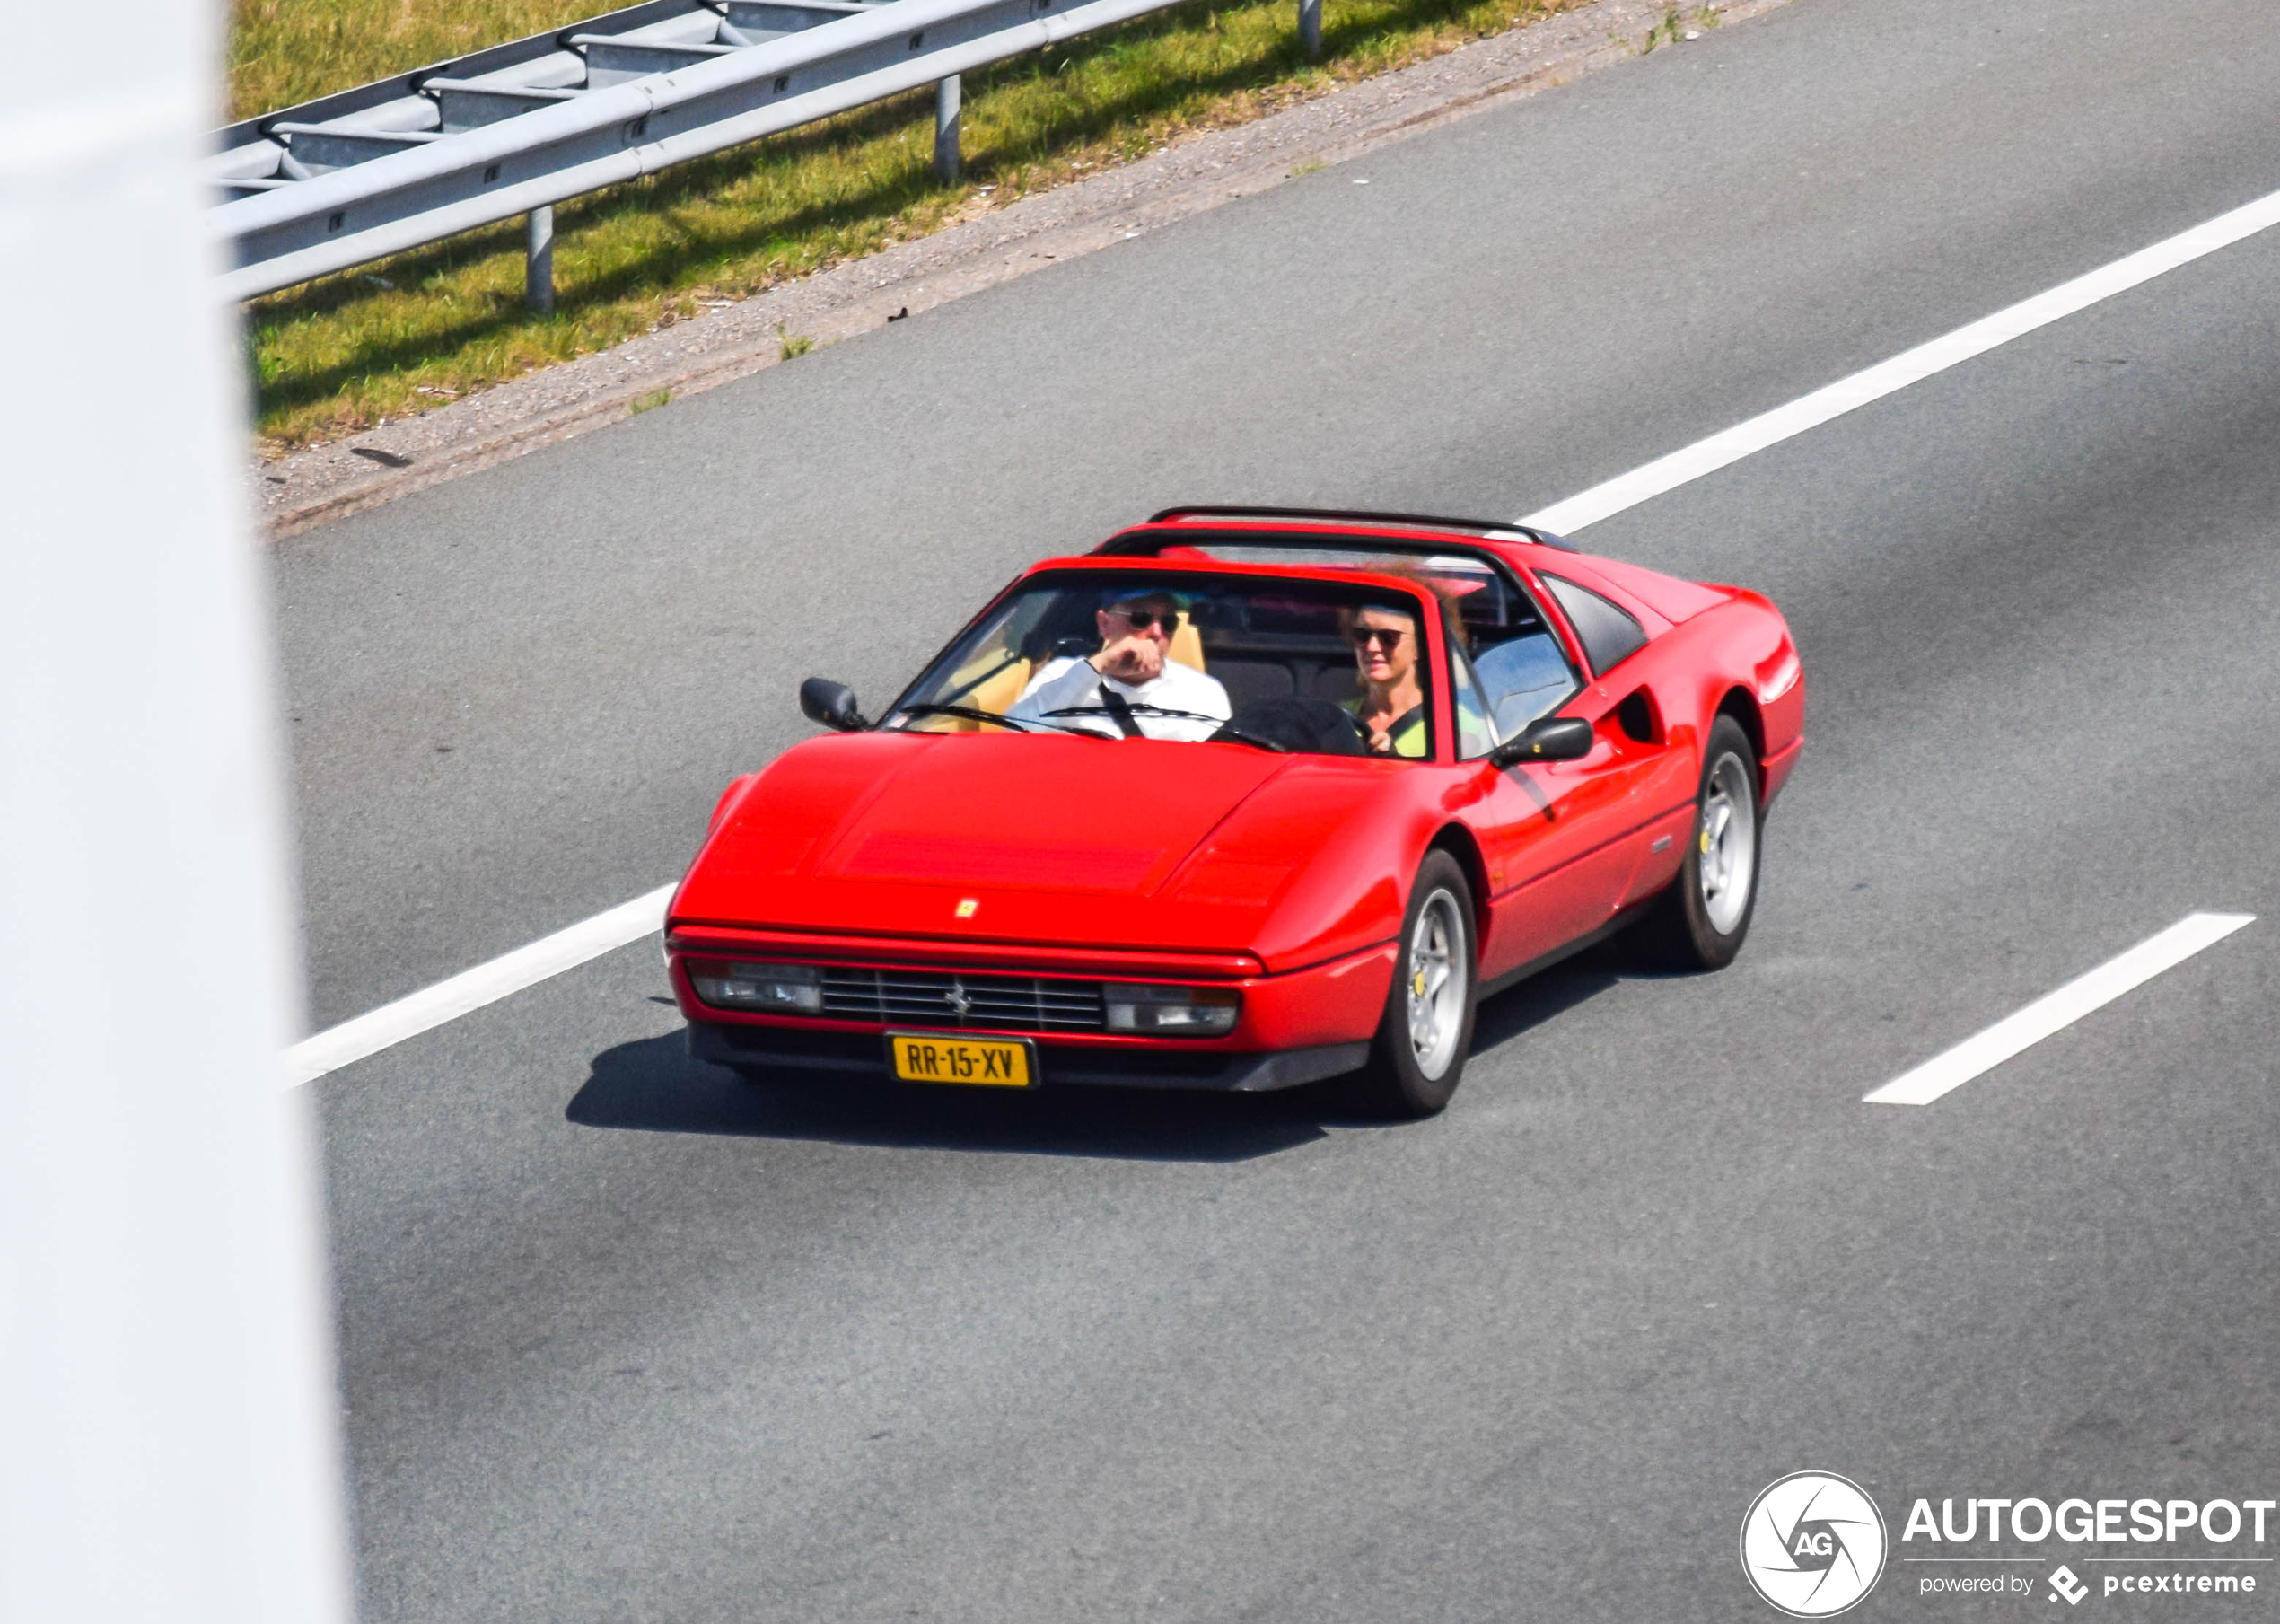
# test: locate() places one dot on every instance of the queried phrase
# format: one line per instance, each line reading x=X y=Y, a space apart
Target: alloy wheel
x=1438 y=972
x=1728 y=839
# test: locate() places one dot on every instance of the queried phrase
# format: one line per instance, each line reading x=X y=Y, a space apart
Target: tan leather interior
x=999 y=692
x=996 y=692
x=1187 y=644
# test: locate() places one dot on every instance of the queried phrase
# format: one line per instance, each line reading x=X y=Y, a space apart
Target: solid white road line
x=1911 y=366
x=430 y=1006
x=368 y=1034
x=2058 y=1010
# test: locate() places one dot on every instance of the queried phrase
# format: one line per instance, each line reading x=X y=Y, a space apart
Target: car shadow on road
x=1551 y=993
x=653 y=1086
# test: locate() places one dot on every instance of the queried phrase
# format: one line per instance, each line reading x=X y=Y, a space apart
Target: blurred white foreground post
x=167 y=1412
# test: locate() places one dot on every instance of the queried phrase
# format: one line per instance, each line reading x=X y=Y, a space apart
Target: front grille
x=929 y=998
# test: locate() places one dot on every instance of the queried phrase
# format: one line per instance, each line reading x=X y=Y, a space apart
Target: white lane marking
x=368 y=1034
x=1911 y=366
x=471 y=989
x=2057 y=1011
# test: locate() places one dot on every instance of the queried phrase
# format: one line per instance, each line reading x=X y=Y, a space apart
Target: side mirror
x=1554 y=739
x=833 y=704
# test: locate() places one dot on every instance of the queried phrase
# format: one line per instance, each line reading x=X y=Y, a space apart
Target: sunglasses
x=1147 y=619
x=1362 y=636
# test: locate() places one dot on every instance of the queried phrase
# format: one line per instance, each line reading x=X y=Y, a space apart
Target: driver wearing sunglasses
x=1131 y=687
x=1390 y=706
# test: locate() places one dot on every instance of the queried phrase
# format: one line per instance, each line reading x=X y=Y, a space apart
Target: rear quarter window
x=1608 y=632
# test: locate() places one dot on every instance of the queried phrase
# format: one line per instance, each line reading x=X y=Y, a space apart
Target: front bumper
x=756 y=1047
x=1297 y=1027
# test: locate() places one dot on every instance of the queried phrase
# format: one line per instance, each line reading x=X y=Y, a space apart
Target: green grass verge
x=428 y=325
x=283 y=51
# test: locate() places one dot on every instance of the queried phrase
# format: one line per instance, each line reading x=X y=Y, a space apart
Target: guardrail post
x=946 y=106
x=537 y=260
x=1309 y=27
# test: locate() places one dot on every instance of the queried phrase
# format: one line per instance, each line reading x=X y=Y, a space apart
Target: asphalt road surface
x=624 y=1339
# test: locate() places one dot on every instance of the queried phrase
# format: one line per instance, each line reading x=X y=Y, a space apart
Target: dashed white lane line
x=368 y=1034
x=471 y=989
x=1911 y=366
x=1943 y=1073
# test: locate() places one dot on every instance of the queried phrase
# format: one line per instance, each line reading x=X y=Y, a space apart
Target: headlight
x=1185 y=1012
x=795 y=988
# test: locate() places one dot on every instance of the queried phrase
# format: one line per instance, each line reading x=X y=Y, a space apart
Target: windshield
x=1319 y=667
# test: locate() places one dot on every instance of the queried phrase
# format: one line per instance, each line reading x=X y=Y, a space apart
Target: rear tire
x=1418 y=1055
x=1700 y=921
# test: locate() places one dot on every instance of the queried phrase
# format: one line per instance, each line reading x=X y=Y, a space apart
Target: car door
x=1553 y=838
x=1658 y=754
x=1562 y=840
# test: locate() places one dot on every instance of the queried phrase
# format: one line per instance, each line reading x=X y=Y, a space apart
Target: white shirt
x=1068 y=682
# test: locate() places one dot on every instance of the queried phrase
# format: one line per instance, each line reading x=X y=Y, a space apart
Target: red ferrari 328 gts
x=1243 y=799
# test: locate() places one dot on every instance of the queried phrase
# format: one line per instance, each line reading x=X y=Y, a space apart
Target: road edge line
x=472 y=989
x=1745 y=439
x=2054 y=1011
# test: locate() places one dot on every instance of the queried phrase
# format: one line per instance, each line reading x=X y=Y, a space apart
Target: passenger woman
x=1390 y=706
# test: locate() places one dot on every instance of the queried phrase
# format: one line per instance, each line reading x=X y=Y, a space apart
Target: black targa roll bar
x=1352 y=515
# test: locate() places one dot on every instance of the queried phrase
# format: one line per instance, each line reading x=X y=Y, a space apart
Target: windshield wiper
x=974 y=713
x=1227 y=730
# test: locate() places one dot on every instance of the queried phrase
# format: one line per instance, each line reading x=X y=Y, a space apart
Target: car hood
x=995 y=838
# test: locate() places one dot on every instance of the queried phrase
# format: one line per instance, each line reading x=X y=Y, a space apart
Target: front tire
x=1418 y=1055
x=1700 y=922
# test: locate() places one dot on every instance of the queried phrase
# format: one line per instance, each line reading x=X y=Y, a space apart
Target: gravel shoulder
x=295 y=493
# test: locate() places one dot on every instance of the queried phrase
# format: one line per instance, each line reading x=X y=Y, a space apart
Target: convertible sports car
x=1243 y=799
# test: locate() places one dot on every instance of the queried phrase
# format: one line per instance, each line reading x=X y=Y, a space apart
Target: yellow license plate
x=979 y=1062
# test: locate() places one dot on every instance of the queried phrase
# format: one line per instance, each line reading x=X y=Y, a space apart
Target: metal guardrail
x=513 y=130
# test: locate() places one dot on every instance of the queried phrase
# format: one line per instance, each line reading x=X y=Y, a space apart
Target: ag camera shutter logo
x=1812 y=1544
